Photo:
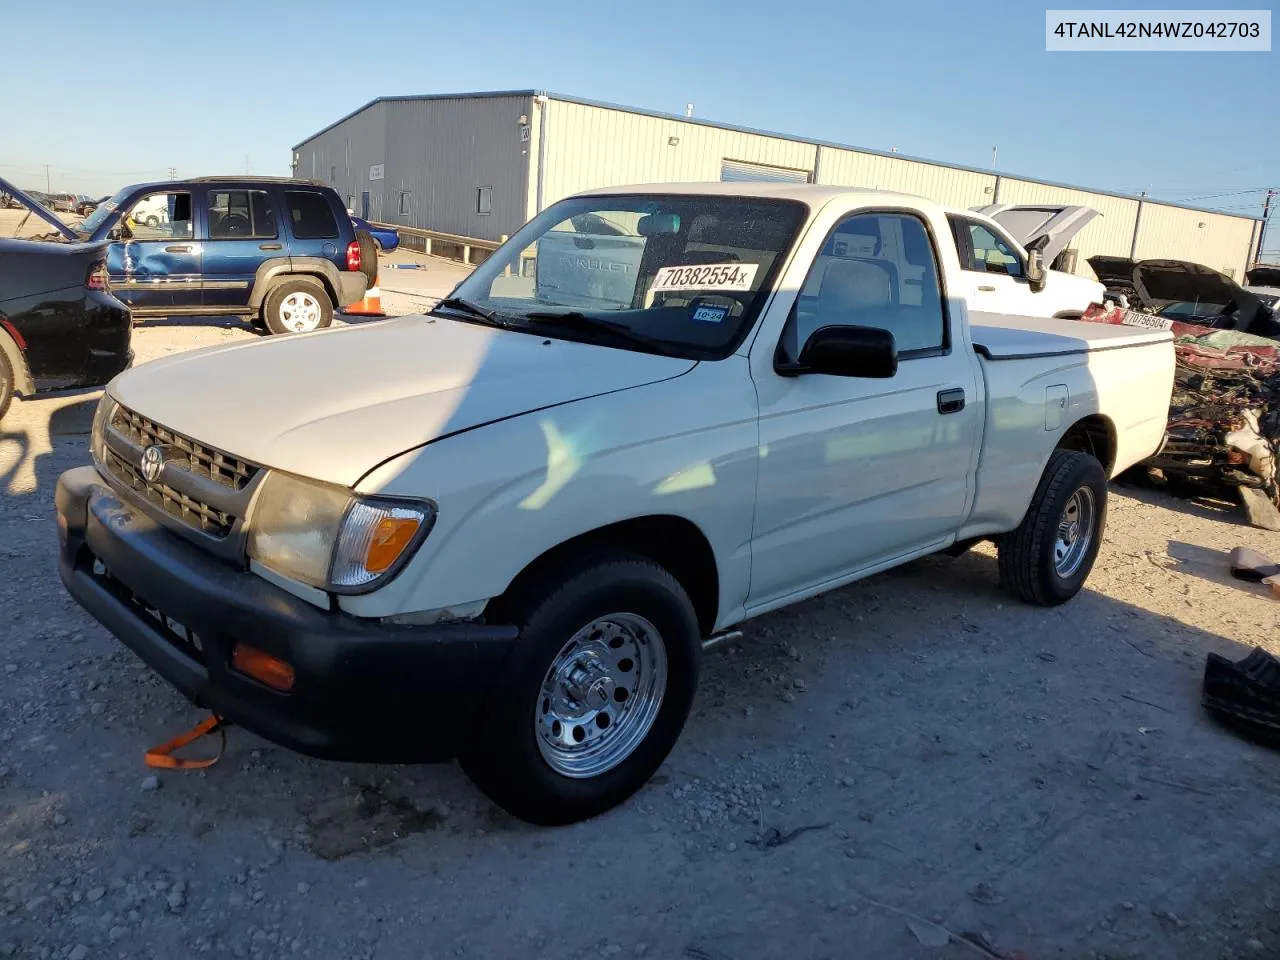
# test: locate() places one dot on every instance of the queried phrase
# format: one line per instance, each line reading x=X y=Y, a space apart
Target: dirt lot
x=1044 y=781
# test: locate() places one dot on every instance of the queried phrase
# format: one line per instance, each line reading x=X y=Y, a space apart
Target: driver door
x=241 y=232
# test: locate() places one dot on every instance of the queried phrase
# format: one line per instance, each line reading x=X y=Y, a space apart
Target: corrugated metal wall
x=1216 y=240
x=591 y=147
x=342 y=156
x=1110 y=233
x=443 y=151
x=956 y=188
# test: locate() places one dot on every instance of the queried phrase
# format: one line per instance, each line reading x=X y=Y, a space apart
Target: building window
x=404 y=203
x=484 y=201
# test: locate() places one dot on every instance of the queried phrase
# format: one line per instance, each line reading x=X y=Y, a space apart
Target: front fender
x=510 y=491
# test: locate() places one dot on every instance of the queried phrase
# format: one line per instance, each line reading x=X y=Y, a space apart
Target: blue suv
x=282 y=252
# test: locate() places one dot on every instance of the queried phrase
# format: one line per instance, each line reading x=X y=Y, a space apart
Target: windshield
x=687 y=273
x=1198 y=310
x=100 y=213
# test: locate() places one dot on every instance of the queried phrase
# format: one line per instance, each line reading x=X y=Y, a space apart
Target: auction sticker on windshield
x=710 y=276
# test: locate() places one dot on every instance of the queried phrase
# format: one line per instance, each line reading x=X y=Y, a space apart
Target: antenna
x=688 y=109
x=993 y=158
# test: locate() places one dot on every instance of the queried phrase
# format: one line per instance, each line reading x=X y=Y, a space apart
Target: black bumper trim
x=364 y=691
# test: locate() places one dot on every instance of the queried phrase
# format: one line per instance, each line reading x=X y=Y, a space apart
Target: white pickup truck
x=505 y=530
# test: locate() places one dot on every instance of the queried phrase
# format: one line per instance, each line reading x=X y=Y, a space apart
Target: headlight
x=97 y=434
x=323 y=535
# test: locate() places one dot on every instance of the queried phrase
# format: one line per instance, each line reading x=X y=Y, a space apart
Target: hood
x=334 y=404
x=1165 y=281
x=1113 y=270
x=1263 y=275
x=38 y=209
x=1028 y=224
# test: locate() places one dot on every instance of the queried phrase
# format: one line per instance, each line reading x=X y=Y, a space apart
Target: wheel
x=152 y=221
x=377 y=244
x=6 y=384
x=297 y=306
x=1047 y=559
x=593 y=696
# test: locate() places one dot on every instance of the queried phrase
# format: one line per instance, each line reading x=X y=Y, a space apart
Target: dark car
x=280 y=251
x=59 y=325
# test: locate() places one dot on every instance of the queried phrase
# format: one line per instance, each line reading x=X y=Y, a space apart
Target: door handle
x=986 y=289
x=950 y=401
x=181 y=248
x=270 y=246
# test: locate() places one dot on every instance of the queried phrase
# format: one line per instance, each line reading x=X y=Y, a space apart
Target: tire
x=1036 y=563
x=368 y=255
x=7 y=384
x=152 y=221
x=517 y=751
x=297 y=306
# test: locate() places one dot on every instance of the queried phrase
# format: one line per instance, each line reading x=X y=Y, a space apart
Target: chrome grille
x=177 y=504
x=201 y=460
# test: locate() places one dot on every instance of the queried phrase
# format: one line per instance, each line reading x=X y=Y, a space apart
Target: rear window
x=311 y=215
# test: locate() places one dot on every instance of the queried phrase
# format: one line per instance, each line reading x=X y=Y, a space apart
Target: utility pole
x=993 y=158
x=48 y=184
x=173 y=173
x=246 y=164
x=1262 y=231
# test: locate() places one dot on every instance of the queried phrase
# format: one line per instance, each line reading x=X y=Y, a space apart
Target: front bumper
x=363 y=690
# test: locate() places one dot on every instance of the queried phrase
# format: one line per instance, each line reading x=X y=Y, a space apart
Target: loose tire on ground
x=297 y=306
x=7 y=384
x=518 y=752
x=368 y=255
x=1045 y=561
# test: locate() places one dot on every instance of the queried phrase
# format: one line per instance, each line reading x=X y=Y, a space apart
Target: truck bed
x=1002 y=337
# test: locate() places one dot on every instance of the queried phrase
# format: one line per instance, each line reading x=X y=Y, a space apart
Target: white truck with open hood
x=504 y=531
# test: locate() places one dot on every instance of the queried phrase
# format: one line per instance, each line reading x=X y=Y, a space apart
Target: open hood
x=38 y=209
x=1165 y=281
x=1263 y=275
x=1113 y=271
x=1031 y=222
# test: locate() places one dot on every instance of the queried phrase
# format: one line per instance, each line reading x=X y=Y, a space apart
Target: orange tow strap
x=162 y=757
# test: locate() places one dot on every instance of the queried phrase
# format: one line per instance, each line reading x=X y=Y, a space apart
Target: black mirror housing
x=848 y=351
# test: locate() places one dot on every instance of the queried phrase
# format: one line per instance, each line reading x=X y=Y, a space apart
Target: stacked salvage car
x=1224 y=418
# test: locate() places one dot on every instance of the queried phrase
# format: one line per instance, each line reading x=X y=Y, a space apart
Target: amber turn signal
x=390 y=538
x=263 y=667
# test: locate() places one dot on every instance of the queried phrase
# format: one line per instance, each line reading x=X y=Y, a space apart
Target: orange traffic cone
x=371 y=305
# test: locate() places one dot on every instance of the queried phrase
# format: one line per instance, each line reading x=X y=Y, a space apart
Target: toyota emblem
x=152 y=463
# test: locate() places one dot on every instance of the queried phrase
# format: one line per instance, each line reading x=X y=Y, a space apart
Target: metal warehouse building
x=480 y=165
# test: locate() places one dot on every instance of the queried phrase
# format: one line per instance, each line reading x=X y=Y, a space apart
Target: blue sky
x=211 y=89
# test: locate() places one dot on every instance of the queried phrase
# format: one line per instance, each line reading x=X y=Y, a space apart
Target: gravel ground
x=912 y=751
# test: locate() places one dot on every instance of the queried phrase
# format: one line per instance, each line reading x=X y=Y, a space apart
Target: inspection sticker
x=710 y=314
x=710 y=276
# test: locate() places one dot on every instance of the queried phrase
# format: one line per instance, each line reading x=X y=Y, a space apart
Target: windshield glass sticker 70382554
x=710 y=276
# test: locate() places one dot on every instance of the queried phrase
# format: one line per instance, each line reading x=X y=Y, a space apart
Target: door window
x=310 y=214
x=875 y=270
x=161 y=216
x=241 y=215
x=987 y=252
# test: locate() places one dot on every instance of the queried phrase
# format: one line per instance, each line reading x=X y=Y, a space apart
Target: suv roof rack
x=254 y=176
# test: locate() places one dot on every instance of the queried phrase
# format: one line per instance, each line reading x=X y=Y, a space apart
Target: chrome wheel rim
x=601 y=695
x=1075 y=532
x=300 y=312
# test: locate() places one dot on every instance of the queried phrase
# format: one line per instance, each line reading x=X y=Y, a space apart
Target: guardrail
x=431 y=243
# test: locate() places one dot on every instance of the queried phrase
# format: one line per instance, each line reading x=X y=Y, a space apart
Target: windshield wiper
x=473 y=310
x=576 y=320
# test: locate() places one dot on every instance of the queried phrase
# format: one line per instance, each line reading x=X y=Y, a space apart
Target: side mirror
x=848 y=351
x=1036 y=274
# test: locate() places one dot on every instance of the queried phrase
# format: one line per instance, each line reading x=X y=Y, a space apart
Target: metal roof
x=661 y=115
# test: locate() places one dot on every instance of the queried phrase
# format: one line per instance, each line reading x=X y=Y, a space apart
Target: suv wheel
x=297 y=306
x=595 y=693
x=6 y=384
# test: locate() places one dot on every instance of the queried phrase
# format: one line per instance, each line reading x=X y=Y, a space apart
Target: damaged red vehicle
x=1223 y=435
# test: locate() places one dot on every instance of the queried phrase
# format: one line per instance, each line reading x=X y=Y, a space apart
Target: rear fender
x=23 y=385
x=273 y=272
